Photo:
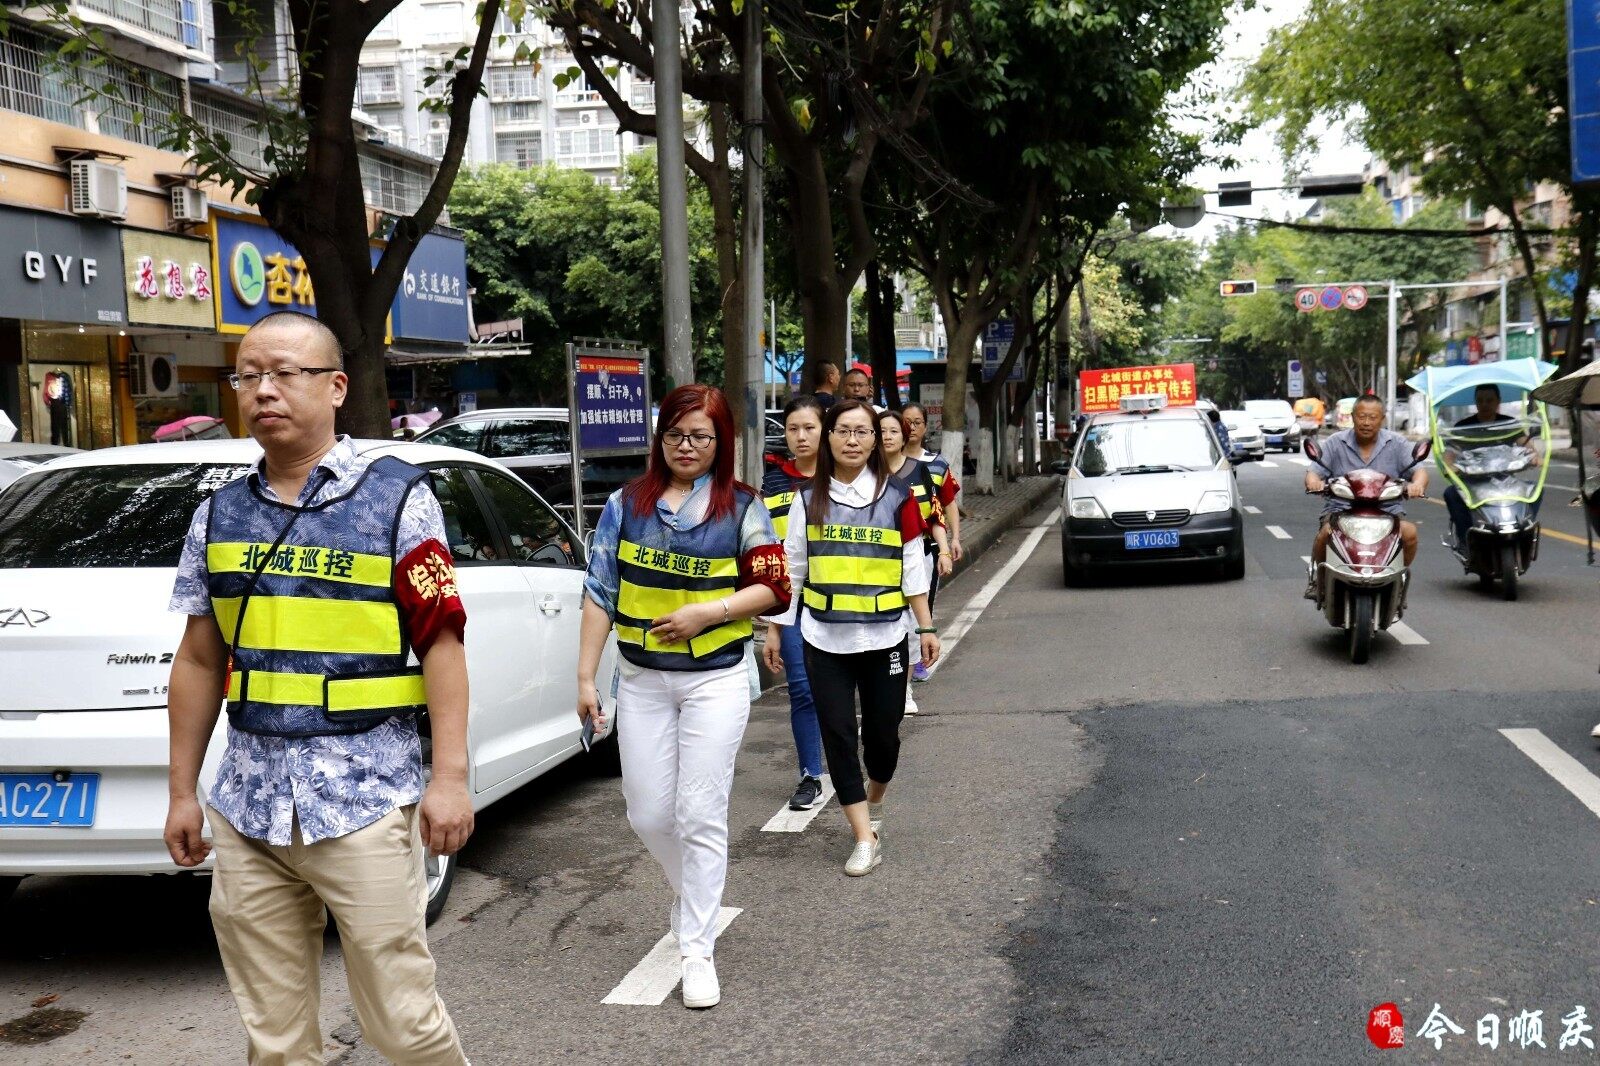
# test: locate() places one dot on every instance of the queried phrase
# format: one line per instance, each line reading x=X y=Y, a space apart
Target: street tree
x=1472 y=95
x=307 y=183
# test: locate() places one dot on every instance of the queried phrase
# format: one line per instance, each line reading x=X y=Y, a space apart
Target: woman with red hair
x=683 y=557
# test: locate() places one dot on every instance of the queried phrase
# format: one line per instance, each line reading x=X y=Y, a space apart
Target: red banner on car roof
x=1103 y=390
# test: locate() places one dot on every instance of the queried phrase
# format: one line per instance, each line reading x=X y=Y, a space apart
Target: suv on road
x=1145 y=485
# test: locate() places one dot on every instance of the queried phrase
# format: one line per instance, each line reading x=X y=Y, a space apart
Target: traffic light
x=1238 y=288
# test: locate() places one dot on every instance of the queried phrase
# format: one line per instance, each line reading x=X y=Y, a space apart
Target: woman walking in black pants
x=854 y=547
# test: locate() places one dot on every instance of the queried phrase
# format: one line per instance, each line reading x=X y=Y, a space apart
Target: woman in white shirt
x=857 y=565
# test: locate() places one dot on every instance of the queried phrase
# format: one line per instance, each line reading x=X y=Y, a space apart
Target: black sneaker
x=806 y=794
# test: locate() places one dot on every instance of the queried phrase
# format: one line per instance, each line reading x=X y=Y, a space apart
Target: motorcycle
x=1361 y=587
x=1498 y=467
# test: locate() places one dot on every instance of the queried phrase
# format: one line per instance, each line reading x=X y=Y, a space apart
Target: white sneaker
x=911 y=704
x=864 y=858
x=700 y=987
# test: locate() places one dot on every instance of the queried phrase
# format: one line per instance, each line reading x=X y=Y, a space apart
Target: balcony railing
x=235 y=124
x=175 y=20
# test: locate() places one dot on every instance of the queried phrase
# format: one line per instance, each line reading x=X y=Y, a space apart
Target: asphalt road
x=1160 y=819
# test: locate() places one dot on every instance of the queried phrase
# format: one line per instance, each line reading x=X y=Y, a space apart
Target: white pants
x=678 y=732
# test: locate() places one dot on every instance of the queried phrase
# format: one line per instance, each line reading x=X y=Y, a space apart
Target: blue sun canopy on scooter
x=1502 y=460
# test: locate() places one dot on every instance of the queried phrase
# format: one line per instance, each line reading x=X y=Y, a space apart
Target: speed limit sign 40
x=1355 y=297
x=1306 y=299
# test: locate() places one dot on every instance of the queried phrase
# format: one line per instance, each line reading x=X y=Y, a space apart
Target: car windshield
x=1147 y=446
x=1238 y=420
x=1272 y=410
x=121 y=516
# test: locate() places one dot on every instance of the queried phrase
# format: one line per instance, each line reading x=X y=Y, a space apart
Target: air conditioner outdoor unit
x=153 y=375
x=99 y=189
x=188 y=204
x=586 y=118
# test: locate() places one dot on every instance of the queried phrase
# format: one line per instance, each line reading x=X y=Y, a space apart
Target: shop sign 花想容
x=168 y=280
x=60 y=269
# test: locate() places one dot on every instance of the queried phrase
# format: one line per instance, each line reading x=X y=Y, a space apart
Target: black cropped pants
x=879 y=677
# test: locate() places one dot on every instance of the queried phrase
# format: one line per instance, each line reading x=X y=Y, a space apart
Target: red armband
x=430 y=602
x=911 y=524
x=767 y=565
x=947 y=491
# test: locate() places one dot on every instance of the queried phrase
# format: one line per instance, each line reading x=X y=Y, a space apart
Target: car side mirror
x=1313 y=452
x=1062 y=467
x=1420 y=452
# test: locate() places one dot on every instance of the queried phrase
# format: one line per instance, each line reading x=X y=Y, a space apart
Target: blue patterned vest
x=662 y=569
x=318 y=647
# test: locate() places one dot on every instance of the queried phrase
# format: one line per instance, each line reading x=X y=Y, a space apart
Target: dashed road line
x=1300 y=459
x=1405 y=634
x=975 y=607
x=1267 y=464
x=1306 y=559
x=1571 y=774
x=787 y=821
x=1279 y=532
x=658 y=973
x=1251 y=510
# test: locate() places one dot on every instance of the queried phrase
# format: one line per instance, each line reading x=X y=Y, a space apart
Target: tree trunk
x=880 y=335
x=718 y=179
x=963 y=337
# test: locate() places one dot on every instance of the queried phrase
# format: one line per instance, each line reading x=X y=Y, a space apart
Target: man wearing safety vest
x=323 y=607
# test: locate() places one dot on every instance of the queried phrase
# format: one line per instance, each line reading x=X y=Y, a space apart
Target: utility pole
x=678 y=330
x=754 y=245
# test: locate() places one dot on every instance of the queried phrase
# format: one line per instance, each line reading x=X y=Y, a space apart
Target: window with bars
x=516 y=113
x=30 y=85
x=393 y=183
x=233 y=124
x=176 y=20
x=378 y=85
x=128 y=101
x=587 y=147
x=513 y=83
x=523 y=150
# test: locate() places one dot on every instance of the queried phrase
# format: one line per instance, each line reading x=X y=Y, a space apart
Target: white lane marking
x=1251 y=510
x=658 y=973
x=975 y=607
x=787 y=821
x=1306 y=559
x=1568 y=772
x=1279 y=532
x=1300 y=459
x=1405 y=634
x=1266 y=463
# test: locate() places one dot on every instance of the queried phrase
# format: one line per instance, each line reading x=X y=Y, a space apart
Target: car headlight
x=1086 y=507
x=1365 y=530
x=1214 y=501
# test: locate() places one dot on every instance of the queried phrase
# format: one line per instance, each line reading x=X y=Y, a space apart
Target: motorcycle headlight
x=1086 y=507
x=1364 y=529
x=1213 y=501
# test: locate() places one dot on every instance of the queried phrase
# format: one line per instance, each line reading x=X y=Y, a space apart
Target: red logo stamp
x=1385 y=1027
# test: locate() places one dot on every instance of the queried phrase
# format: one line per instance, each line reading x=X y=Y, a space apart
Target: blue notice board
x=1583 y=81
x=611 y=401
x=997 y=338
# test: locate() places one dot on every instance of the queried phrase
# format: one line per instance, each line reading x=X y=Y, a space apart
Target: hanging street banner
x=1103 y=390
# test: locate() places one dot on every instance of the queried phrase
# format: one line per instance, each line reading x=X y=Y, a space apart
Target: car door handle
x=550 y=606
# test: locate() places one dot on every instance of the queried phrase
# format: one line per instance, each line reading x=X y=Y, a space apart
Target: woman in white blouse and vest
x=857 y=565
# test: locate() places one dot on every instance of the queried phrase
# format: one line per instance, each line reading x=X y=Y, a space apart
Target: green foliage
x=1252 y=337
x=571 y=257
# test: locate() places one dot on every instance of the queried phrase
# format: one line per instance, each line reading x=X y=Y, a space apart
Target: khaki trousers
x=267 y=909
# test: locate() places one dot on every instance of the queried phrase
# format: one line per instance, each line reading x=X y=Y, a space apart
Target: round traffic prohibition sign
x=1355 y=297
x=1306 y=299
x=1332 y=297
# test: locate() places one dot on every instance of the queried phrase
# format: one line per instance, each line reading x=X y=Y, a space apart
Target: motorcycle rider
x=1486 y=399
x=1365 y=446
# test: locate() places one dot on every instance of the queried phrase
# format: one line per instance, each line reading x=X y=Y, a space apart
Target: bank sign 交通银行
x=1103 y=390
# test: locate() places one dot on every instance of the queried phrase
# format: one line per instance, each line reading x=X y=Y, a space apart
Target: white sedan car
x=88 y=552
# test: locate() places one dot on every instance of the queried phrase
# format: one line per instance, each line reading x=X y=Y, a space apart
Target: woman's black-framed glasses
x=674 y=438
x=284 y=375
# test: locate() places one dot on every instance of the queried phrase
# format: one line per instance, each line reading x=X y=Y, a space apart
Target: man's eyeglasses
x=284 y=375
x=673 y=438
x=846 y=433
